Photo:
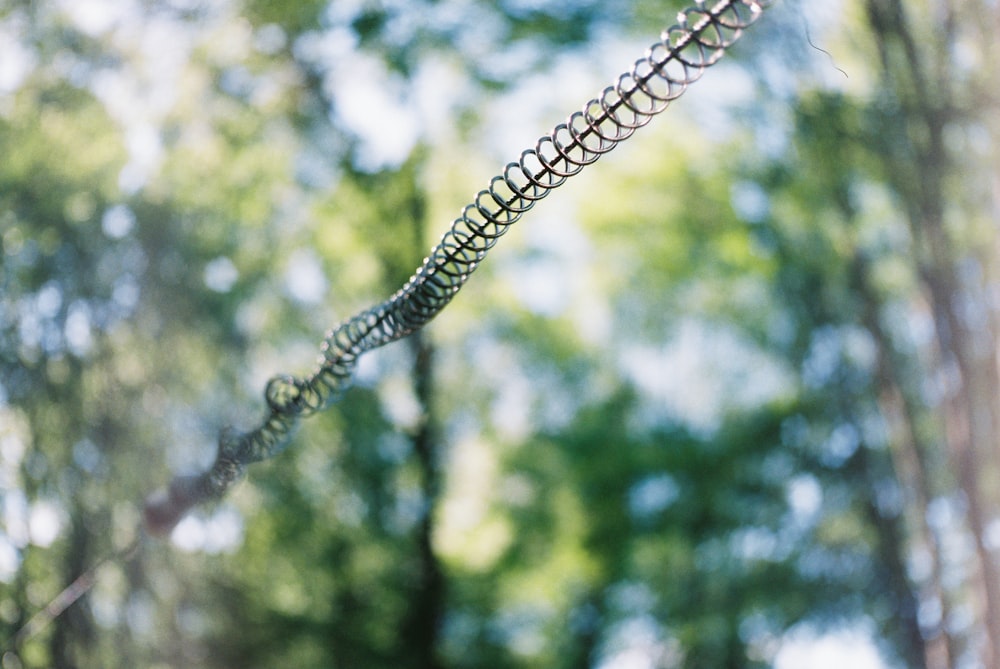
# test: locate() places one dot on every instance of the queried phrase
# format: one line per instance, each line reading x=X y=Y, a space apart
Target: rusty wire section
x=685 y=50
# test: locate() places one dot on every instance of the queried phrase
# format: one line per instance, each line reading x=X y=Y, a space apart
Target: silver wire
x=698 y=40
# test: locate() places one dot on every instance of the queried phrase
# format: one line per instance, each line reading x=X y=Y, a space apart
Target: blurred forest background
x=731 y=393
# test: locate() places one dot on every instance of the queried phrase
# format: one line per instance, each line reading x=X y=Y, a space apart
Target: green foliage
x=294 y=19
x=538 y=481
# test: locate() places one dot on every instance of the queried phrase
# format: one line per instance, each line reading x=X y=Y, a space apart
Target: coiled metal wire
x=698 y=40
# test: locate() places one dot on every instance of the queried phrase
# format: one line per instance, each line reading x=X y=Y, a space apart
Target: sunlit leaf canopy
x=728 y=396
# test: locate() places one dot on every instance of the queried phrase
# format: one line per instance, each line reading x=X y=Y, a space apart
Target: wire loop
x=684 y=51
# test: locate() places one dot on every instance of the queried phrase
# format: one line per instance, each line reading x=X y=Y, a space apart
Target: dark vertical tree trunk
x=921 y=78
x=582 y=652
x=422 y=626
x=73 y=630
x=891 y=549
x=423 y=623
x=911 y=461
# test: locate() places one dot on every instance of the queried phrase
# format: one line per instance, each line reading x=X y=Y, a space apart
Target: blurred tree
x=935 y=102
x=906 y=206
x=58 y=293
x=679 y=414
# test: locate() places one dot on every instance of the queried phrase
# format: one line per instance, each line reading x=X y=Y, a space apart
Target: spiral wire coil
x=698 y=40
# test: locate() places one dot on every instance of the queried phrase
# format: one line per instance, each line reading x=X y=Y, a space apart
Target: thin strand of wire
x=68 y=596
x=680 y=57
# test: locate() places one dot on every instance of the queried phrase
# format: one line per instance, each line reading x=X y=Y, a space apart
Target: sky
x=373 y=102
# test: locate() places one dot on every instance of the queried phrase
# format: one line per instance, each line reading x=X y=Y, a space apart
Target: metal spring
x=685 y=50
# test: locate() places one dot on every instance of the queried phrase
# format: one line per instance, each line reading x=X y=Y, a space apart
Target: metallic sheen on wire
x=698 y=40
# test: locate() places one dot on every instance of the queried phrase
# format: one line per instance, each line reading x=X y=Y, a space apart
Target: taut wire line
x=68 y=596
x=698 y=40
x=684 y=51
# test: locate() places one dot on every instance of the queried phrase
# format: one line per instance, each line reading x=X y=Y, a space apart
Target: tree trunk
x=911 y=461
x=73 y=630
x=920 y=83
x=422 y=625
x=421 y=629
